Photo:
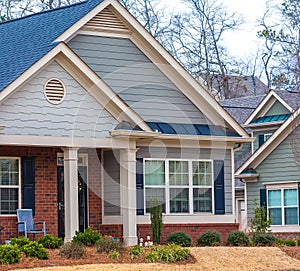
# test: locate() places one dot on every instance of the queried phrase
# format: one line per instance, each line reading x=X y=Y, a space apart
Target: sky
x=241 y=42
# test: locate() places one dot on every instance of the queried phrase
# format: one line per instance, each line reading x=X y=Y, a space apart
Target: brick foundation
x=287 y=235
x=194 y=230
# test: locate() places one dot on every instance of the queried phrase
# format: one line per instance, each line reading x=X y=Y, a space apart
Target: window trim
x=282 y=206
x=13 y=186
x=267 y=135
x=190 y=186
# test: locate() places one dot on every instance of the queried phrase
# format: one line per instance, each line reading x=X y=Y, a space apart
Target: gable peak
x=107 y=20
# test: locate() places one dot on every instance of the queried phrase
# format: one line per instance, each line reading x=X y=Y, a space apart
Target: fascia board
x=259 y=156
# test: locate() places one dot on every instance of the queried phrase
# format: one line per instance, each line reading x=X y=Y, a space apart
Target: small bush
x=179 y=238
x=9 y=254
x=73 y=251
x=298 y=242
x=290 y=243
x=209 y=238
x=238 y=238
x=49 y=241
x=107 y=245
x=20 y=242
x=114 y=255
x=169 y=253
x=87 y=238
x=36 y=250
x=136 y=251
x=263 y=239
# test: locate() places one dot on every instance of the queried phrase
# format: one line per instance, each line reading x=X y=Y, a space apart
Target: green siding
x=256 y=135
x=277 y=109
x=279 y=166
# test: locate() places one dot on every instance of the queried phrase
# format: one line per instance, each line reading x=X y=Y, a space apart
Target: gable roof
x=241 y=108
x=39 y=34
x=270 y=145
x=26 y=40
x=290 y=100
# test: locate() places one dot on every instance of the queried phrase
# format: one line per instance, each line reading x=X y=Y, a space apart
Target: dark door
x=82 y=199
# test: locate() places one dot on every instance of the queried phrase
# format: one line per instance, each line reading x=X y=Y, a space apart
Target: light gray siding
x=136 y=79
x=111 y=183
x=277 y=109
x=27 y=112
x=256 y=135
x=177 y=153
x=279 y=167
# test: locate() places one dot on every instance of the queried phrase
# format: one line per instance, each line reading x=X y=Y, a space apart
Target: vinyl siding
x=176 y=153
x=256 y=135
x=27 y=112
x=277 y=109
x=136 y=79
x=111 y=183
x=279 y=167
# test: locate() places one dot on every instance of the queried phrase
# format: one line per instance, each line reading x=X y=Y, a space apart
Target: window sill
x=288 y=228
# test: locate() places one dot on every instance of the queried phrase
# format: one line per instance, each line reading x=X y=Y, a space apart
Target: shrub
x=169 y=253
x=73 y=251
x=87 y=238
x=107 y=245
x=114 y=255
x=179 y=238
x=136 y=251
x=290 y=243
x=36 y=250
x=10 y=254
x=209 y=238
x=49 y=241
x=20 y=242
x=238 y=238
x=260 y=223
x=263 y=239
x=156 y=220
x=298 y=242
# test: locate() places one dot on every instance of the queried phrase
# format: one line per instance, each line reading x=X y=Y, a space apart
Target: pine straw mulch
x=204 y=259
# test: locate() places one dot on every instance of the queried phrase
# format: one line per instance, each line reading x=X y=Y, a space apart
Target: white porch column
x=128 y=195
x=71 y=192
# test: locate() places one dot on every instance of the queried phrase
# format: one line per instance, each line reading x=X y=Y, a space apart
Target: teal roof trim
x=273 y=118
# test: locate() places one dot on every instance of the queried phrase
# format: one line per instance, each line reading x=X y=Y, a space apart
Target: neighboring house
x=270 y=172
x=97 y=119
x=234 y=86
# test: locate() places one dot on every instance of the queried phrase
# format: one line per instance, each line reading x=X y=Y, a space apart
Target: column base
x=130 y=240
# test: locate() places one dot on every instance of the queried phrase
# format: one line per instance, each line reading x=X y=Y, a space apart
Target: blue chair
x=27 y=225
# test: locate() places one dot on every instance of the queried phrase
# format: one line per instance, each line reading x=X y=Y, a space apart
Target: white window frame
x=190 y=186
x=282 y=207
x=267 y=136
x=13 y=186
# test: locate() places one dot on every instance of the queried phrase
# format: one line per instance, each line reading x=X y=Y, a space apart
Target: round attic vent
x=54 y=91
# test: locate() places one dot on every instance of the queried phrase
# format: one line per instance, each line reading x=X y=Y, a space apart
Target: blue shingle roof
x=189 y=129
x=273 y=118
x=24 y=41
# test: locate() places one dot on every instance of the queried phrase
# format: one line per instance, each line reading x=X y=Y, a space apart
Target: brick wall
x=194 y=230
x=45 y=188
x=287 y=235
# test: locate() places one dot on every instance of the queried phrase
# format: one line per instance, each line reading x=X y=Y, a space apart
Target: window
x=267 y=136
x=181 y=186
x=283 y=206
x=9 y=185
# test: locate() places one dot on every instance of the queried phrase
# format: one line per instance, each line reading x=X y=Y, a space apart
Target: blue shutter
x=28 y=183
x=299 y=204
x=261 y=140
x=219 y=187
x=139 y=187
x=263 y=201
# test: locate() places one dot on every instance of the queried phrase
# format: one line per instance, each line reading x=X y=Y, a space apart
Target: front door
x=82 y=199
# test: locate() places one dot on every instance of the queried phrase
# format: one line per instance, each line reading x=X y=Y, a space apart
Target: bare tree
x=152 y=15
x=282 y=46
x=11 y=9
x=197 y=39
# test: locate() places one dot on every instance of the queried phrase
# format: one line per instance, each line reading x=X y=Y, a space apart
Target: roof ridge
x=44 y=11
